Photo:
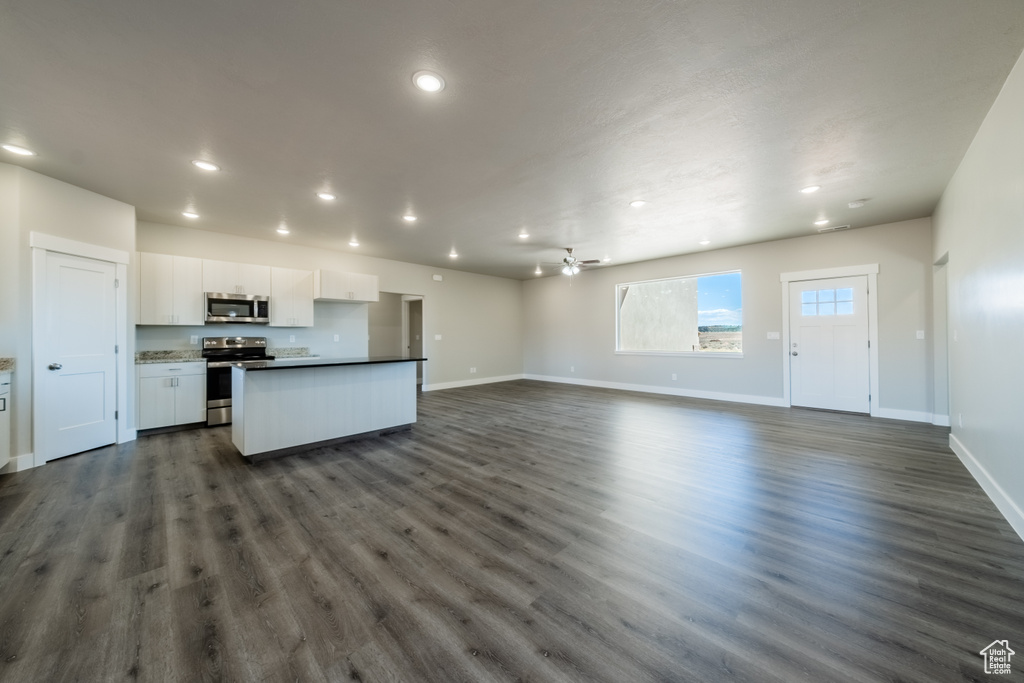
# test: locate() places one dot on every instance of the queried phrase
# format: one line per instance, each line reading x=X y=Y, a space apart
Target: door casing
x=871 y=271
x=41 y=243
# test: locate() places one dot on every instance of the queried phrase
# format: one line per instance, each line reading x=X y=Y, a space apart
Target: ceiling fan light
x=567 y=270
x=575 y=270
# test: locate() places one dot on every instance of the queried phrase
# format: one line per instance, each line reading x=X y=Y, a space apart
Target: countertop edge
x=327 y=362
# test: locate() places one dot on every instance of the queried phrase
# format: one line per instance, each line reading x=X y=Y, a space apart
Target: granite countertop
x=6 y=365
x=190 y=355
x=321 y=362
x=183 y=356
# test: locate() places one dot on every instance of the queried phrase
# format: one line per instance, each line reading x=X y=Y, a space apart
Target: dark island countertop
x=322 y=362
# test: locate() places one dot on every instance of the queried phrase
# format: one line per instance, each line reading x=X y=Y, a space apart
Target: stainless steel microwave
x=223 y=307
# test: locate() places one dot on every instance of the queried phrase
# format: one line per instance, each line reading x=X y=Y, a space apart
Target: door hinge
x=117 y=283
x=115 y=414
x=117 y=348
x=869 y=343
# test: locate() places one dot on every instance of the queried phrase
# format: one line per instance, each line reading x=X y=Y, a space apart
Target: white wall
x=575 y=326
x=385 y=322
x=980 y=223
x=30 y=202
x=479 y=318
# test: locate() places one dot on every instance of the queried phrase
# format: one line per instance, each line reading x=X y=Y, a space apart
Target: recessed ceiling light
x=353 y=242
x=428 y=81
x=409 y=218
x=190 y=214
x=811 y=188
x=704 y=243
x=857 y=203
x=15 y=149
x=637 y=203
x=523 y=235
x=823 y=221
x=283 y=230
x=453 y=254
x=538 y=271
x=205 y=165
x=606 y=259
x=327 y=196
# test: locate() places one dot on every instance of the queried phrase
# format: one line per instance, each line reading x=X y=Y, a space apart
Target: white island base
x=291 y=407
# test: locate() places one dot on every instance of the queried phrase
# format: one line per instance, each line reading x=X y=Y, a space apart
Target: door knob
x=55 y=366
x=794 y=353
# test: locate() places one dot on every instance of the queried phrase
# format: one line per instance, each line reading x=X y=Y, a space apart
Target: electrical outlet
x=920 y=334
x=291 y=338
x=437 y=337
x=194 y=339
x=960 y=419
x=572 y=368
x=472 y=371
x=954 y=335
x=674 y=376
x=337 y=337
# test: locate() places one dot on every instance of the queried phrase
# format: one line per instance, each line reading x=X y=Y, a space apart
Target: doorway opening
x=396 y=328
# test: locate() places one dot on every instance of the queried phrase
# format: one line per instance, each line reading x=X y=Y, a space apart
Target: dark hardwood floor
x=519 y=532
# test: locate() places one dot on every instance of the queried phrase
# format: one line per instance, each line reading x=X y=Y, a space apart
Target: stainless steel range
x=221 y=353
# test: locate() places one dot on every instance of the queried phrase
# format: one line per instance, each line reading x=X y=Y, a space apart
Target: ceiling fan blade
x=588 y=263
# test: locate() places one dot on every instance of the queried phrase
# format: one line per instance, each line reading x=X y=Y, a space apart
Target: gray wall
x=385 y=321
x=574 y=327
x=979 y=223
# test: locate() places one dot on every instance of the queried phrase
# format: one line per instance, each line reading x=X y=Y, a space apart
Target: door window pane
x=844 y=308
x=827 y=309
x=808 y=297
x=826 y=295
x=809 y=309
x=844 y=294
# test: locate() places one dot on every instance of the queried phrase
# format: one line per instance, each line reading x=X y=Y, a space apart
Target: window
x=827 y=302
x=695 y=314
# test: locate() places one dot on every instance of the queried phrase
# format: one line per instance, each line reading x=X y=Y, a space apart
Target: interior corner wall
x=979 y=222
x=31 y=202
x=570 y=330
x=469 y=320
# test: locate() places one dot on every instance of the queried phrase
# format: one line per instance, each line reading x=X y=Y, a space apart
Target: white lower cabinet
x=171 y=394
x=5 y=418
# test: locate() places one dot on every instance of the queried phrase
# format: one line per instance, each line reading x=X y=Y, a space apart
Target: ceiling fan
x=572 y=265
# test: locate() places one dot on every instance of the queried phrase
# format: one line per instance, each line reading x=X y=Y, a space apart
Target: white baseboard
x=941 y=420
x=1009 y=509
x=670 y=391
x=907 y=415
x=18 y=463
x=470 y=382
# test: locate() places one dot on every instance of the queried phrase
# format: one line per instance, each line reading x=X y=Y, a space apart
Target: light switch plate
x=920 y=334
x=438 y=278
x=773 y=335
x=337 y=337
x=437 y=337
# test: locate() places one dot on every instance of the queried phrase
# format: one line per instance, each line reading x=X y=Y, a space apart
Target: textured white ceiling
x=555 y=116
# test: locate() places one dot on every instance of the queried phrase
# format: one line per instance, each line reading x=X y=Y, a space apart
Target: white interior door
x=76 y=362
x=829 y=350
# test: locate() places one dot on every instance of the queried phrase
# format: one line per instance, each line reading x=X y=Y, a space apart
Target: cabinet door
x=190 y=399
x=302 y=298
x=282 y=282
x=189 y=304
x=220 y=276
x=156 y=286
x=253 y=279
x=156 y=402
x=365 y=287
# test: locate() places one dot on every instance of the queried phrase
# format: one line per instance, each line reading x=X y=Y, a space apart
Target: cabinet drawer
x=172 y=369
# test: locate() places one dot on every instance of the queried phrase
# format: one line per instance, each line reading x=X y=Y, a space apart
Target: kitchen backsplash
x=347 y=321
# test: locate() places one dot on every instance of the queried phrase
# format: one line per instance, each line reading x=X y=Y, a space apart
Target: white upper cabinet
x=236 y=278
x=329 y=285
x=291 y=297
x=170 y=290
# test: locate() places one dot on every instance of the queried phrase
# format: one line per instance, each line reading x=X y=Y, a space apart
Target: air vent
x=834 y=228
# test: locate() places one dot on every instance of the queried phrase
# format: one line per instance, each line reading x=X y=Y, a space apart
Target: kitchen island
x=288 y=406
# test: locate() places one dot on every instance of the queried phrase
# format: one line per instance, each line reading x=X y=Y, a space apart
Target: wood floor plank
x=520 y=531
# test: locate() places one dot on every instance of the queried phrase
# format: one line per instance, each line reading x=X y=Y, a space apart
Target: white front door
x=76 y=363
x=828 y=334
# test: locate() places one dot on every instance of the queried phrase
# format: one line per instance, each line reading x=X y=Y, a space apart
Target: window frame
x=681 y=354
